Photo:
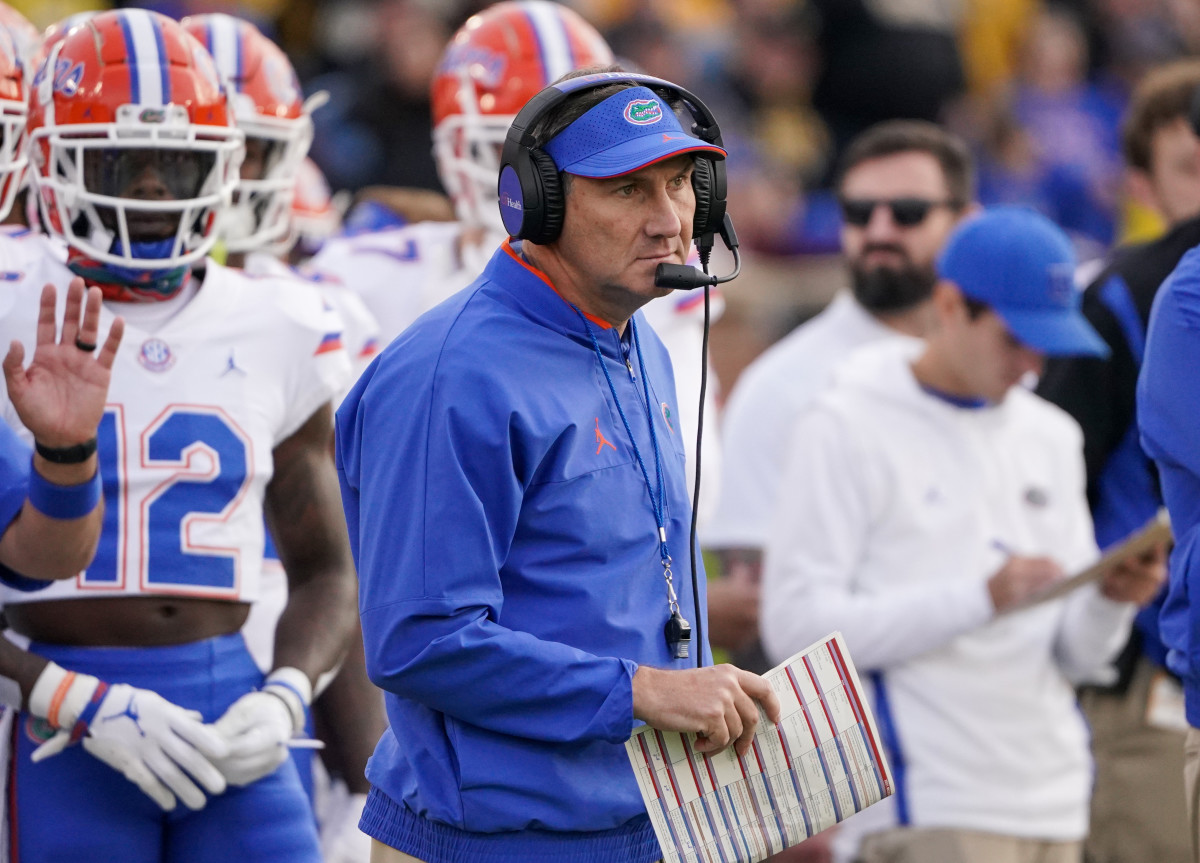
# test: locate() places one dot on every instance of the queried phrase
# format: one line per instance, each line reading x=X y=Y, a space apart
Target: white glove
x=341 y=840
x=135 y=731
x=258 y=726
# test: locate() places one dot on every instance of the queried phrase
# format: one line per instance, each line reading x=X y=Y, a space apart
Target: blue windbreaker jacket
x=510 y=576
x=1168 y=410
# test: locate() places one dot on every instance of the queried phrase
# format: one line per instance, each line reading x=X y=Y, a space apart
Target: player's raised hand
x=155 y=744
x=60 y=397
x=717 y=703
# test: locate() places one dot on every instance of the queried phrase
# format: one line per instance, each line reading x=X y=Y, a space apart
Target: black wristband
x=77 y=454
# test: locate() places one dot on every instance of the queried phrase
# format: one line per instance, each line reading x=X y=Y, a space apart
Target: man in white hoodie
x=929 y=493
x=902 y=186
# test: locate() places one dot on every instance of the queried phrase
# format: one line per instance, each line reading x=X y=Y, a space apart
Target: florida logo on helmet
x=67 y=77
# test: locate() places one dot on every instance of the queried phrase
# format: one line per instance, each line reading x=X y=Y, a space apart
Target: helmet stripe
x=226 y=48
x=149 y=72
x=554 y=46
x=164 y=63
x=135 y=92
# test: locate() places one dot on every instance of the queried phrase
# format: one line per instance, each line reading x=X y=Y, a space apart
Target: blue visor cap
x=627 y=131
x=1022 y=266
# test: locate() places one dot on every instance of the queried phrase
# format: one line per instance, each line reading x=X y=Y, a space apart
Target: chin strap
x=131 y=284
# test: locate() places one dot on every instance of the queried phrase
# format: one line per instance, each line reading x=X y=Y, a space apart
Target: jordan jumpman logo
x=130 y=712
x=601 y=440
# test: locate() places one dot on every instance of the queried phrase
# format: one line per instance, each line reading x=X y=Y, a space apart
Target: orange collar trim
x=507 y=246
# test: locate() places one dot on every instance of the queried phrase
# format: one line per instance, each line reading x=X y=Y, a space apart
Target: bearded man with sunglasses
x=903 y=186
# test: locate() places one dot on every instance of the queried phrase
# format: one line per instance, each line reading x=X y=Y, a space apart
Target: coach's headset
x=532 y=204
x=531 y=198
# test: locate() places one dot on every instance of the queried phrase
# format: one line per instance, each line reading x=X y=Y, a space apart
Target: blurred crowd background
x=1036 y=87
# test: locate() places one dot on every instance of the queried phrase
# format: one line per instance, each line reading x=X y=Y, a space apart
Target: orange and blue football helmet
x=496 y=62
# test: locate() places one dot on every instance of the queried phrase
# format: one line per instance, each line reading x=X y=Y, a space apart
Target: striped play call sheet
x=822 y=763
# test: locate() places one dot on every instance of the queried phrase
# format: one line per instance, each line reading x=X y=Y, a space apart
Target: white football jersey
x=22 y=248
x=196 y=408
x=360 y=330
x=399 y=273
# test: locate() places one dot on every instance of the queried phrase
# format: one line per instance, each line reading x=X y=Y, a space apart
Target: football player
x=219 y=413
x=51 y=509
x=269 y=109
x=315 y=215
x=14 y=93
x=19 y=43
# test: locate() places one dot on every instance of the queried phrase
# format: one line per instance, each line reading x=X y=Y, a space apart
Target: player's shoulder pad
x=22 y=278
x=280 y=298
x=408 y=245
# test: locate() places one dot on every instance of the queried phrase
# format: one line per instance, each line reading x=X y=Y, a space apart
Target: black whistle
x=679 y=636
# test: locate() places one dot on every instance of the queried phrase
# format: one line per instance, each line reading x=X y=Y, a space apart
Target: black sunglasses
x=906 y=212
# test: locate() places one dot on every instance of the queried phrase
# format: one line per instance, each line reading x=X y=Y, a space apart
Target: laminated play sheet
x=822 y=763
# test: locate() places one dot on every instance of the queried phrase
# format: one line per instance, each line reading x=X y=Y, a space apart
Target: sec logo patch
x=155 y=355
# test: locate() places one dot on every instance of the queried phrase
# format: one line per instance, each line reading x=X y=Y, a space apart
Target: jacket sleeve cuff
x=616 y=714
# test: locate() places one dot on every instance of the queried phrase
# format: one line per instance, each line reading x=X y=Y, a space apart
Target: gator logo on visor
x=643 y=112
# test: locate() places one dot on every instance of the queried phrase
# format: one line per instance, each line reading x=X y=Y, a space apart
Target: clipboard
x=1155 y=531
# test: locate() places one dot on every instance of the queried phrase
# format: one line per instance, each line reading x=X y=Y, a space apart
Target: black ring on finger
x=84 y=346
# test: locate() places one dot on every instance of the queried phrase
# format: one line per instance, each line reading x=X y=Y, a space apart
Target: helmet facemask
x=144 y=193
x=466 y=148
x=14 y=155
x=261 y=210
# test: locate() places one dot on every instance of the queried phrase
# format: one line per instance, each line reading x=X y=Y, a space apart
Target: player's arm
x=350 y=719
x=60 y=399
x=304 y=514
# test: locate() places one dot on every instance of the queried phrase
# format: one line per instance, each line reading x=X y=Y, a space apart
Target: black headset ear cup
x=702 y=189
x=553 y=200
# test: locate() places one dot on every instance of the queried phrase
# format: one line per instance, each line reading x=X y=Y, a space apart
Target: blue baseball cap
x=627 y=131
x=1022 y=266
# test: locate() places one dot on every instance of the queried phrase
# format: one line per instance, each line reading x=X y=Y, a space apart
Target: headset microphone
x=682 y=277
